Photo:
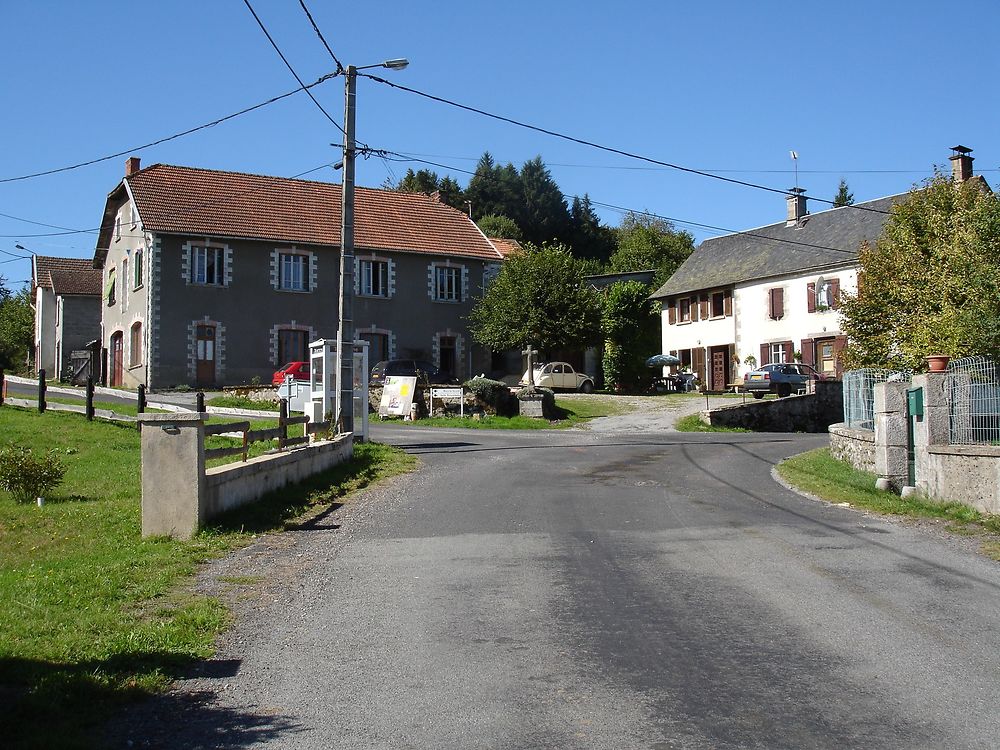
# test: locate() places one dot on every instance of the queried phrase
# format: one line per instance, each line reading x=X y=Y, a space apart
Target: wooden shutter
x=834 y=293
x=727 y=304
x=808 y=352
x=698 y=362
x=789 y=349
x=811 y=297
x=704 y=311
x=839 y=342
x=777 y=303
x=672 y=314
x=765 y=355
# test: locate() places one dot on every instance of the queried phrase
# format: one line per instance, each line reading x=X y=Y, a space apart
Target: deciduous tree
x=17 y=328
x=631 y=327
x=646 y=242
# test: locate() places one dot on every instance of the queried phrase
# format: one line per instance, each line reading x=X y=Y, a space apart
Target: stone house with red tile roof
x=212 y=278
x=67 y=298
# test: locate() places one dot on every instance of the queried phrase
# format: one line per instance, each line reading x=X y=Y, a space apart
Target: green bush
x=493 y=395
x=26 y=475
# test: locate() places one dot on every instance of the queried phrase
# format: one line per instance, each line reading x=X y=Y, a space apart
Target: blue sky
x=875 y=92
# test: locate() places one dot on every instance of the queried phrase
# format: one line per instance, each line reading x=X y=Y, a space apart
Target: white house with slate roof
x=772 y=292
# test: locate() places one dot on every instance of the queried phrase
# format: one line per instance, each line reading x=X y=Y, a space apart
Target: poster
x=397 y=396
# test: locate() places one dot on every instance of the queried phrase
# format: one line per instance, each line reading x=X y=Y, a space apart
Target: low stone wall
x=967 y=473
x=856 y=447
x=812 y=412
x=233 y=485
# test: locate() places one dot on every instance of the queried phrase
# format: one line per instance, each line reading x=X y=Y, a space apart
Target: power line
x=340 y=67
x=591 y=144
x=289 y=65
x=189 y=131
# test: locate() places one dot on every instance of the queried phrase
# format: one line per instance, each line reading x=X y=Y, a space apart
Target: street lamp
x=345 y=320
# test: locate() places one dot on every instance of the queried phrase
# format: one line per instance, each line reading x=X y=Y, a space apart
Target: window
x=378 y=345
x=124 y=284
x=137 y=269
x=293 y=273
x=447 y=284
x=375 y=278
x=684 y=310
x=118 y=225
x=207 y=265
x=135 y=345
x=823 y=294
x=777 y=354
x=109 y=286
x=719 y=305
x=292 y=346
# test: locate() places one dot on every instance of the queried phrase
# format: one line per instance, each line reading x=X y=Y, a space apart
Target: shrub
x=26 y=475
x=494 y=395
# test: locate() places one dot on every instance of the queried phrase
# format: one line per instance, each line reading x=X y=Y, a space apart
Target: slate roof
x=828 y=238
x=67 y=275
x=192 y=201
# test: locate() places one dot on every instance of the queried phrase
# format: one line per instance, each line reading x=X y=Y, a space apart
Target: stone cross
x=530 y=354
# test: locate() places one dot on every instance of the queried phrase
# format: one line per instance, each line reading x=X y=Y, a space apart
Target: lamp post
x=345 y=318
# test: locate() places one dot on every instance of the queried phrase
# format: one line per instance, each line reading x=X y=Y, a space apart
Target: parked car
x=298 y=370
x=783 y=379
x=423 y=371
x=560 y=376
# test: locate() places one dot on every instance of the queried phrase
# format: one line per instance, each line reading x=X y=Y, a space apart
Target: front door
x=447 y=350
x=720 y=358
x=117 y=358
x=205 y=347
x=826 y=357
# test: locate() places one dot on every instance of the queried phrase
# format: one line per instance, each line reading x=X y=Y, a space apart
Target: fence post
x=41 y=391
x=90 y=398
x=199 y=400
x=282 y=424
x=890 y=433
x=173 y=474
x=3 y=387
x=141 y=399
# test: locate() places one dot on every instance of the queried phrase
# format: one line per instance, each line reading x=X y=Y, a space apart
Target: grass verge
x=91 y=614
x=571 y=412
x=693 y=423
x=820 y=474
x=242 y=402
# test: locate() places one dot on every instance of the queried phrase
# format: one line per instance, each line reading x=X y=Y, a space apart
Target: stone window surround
x=390 y=275
x=390 y=337
x=292 y=326
x=463 y=292
x=276 y=269
x=187 y=262
x=220 y=348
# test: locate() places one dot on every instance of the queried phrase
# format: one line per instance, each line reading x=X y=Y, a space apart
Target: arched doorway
x=117 y=358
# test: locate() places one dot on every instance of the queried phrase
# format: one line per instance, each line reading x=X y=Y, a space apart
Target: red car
x=298 y=370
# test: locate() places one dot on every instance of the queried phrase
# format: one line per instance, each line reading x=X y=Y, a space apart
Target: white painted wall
x=45 y=332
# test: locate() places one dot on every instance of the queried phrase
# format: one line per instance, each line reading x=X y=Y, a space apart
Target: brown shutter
x=727 y=304
x=672 y=314
x=808 y=352
x=839 y=342
x=698 y=363
x=765 y=355
x=704 y=312
x=779 y=303
x=811 y=297
x=835 y=293
x=789 y=348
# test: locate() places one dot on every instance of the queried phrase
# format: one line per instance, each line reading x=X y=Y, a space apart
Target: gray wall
x=79 y=323
x=812 y=412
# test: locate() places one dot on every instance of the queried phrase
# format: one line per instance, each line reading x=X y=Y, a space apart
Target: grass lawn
x=820 y=474
x=91 y=614
x=572 y=412
x=242 y=402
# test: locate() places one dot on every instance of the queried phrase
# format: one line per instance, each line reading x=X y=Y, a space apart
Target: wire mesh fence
x=973 y=393
x=859 y=394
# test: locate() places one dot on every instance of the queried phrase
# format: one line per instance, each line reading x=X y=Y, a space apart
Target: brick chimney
x=961 y=163
x=796 y=206
x=131 y=166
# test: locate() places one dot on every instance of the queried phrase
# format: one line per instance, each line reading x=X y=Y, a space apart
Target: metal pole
x=90 y=399
x=345 y=322
x=41 y=391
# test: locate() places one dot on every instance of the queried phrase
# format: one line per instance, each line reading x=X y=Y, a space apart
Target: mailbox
x=915 y=402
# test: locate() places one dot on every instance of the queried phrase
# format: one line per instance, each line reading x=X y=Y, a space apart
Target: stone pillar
x=934 y=427
x=173 y=474
x=890 y=434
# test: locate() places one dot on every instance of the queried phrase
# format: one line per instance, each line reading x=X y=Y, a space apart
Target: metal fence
x=859 y=394
x=973 y=392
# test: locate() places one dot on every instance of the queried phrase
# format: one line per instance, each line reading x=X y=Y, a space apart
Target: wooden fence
x=279 y=433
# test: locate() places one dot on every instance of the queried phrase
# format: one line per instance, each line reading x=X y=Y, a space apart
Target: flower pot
x=937 y=362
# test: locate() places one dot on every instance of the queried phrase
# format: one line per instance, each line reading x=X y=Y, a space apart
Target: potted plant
x=751 y=362
x=937 y=362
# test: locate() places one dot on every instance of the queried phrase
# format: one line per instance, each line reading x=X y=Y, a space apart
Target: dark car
x=424 y=372
x=298 y=370
x=783 y=379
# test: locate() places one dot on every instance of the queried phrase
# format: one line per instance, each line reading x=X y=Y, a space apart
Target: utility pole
x=345 y=317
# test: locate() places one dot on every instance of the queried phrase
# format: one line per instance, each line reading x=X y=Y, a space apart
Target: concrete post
x=173 y=474
x=890 y=434
x=934 y=428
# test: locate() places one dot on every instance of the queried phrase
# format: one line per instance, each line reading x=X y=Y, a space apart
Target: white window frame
x=824 y=294
x=447 y=283
x=367 y=277
x=778 y=353
x=293 y=272
x=199 y=263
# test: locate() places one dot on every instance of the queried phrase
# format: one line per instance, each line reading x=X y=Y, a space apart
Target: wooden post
x=3 y=387
x=90 y=398
x=200 y=402
x=282 y=426
x=140 y=399
x=41 y=391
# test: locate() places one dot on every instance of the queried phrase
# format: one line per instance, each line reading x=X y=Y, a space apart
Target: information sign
x=397 y=396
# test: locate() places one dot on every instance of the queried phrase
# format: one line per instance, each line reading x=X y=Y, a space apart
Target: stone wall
x=811 y=412
x=857 y=447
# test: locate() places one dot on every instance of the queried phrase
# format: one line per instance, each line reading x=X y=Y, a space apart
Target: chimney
x=131 y=166
x=961 y=163
x=796 y=206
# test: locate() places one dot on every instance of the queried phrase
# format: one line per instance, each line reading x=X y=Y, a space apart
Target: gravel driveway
x=647 y=413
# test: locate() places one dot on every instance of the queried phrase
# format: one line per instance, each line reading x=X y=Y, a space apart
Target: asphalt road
x=596 y=590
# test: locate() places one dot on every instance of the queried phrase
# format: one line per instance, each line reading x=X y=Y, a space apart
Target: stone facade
x=856 y=447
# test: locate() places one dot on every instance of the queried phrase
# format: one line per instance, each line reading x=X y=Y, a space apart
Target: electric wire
x=340 y=67
x=289 y=65
x=592 y=144
x=189 y=131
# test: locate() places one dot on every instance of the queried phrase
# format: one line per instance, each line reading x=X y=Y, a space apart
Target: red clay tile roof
x=46 y=264
x=505 y=247
x=185 y=200
x=85 y=282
